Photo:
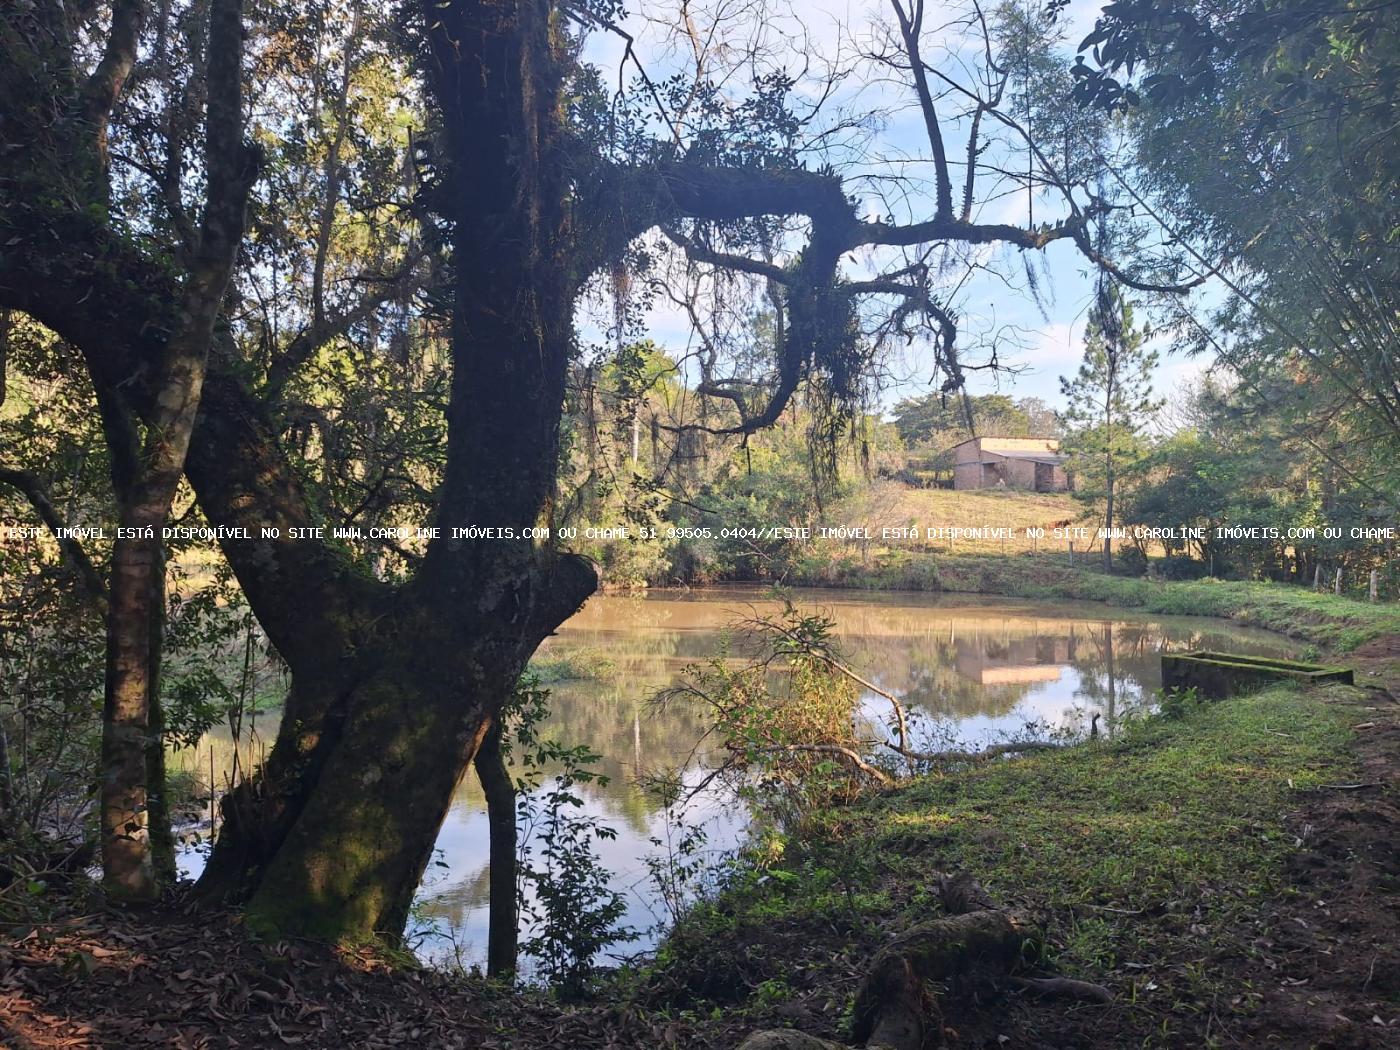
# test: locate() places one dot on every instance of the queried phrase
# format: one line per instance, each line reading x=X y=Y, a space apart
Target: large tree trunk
x=332 y=838
x=392 y=701
x=351 y=862
x=127 y=864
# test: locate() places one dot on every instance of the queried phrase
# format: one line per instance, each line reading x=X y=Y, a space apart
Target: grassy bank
x=1325 y=620
x=1155 y=864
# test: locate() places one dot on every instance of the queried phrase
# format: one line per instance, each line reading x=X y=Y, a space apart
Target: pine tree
x=1109 y=401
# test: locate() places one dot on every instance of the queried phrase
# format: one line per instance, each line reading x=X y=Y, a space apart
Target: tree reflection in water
x=975 y=669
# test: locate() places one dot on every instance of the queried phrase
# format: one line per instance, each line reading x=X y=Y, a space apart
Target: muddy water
x=974 y=670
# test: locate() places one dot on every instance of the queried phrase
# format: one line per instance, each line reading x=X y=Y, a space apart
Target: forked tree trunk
x=332 y=838
x=352 y=861
x=394 y=696
x=146 y=482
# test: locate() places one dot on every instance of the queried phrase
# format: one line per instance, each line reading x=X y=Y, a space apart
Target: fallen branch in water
x=985 y=755
x=822 y=653
x=873 y=772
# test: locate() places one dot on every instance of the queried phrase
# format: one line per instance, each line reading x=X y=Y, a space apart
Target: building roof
x=1055 y=459
x=1002 y=445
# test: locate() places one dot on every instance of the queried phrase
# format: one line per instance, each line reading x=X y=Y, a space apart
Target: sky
x=1047 y=340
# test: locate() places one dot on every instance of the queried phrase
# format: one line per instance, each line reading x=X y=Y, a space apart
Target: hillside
x=889 y=504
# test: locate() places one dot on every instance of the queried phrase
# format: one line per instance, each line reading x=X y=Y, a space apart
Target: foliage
x=680 y=871
x=52 y=694
x=1131 y=562
x=1177 y=702
x=939 y=420
x=1232 y=462
x=1261 y=136
x=786 y=717
x=577 y=665
x=1108 y=403
x=567 y=904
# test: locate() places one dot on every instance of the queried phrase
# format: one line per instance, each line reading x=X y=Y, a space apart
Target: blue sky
x=1046 y=340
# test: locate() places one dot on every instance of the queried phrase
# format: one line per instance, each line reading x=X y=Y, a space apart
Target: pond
x=973 y=669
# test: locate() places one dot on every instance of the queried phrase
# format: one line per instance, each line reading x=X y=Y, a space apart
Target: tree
x=1261 y=140
x=146 y=479
x=528 y=181
x=1109 y=401
x=937 y=419
x=147 y=469
x=1236 y=459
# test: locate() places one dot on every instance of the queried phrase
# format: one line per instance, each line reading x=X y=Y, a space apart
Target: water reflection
x=976 y=669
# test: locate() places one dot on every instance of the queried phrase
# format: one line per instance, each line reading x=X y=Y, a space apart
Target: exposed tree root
x=896 y=1009
x=1064 y=986
x=893 y=1006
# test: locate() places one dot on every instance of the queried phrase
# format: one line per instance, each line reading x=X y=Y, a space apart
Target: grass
x=1143 y=859
x=1174 y=807
x=1326 y=620
x=576 y=665
x=890 y=504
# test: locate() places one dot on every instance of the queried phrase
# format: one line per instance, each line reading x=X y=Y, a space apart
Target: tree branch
x=38 y=496
x=985 y=755
x=698 y=252
x=873 y=772
x=910 y=26
x=104 y=86
x=325 y=328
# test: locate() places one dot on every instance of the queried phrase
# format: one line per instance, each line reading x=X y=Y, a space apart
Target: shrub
x=1182 y=567
x=1131 y=561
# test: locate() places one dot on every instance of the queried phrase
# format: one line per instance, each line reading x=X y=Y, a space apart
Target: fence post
x=1317 y=577
x=1375 y=585
x=1337 y=584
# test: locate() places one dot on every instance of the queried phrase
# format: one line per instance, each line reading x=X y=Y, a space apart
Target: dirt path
x=1330 y=971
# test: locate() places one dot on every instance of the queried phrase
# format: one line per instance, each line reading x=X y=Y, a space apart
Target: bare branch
x=910 y=26
x=985 y=755
x=701 y=253
x=873 y=772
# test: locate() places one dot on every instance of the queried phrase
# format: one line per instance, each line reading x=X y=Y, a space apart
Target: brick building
x=1035 y=464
